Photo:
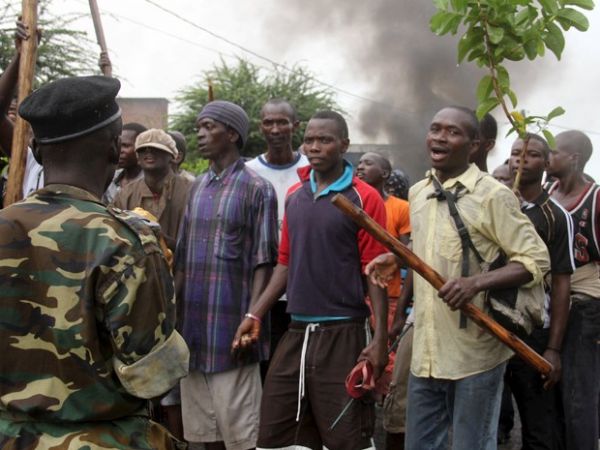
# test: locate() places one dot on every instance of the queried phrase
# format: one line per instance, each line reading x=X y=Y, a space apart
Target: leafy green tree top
x=500 y=30
x=250 y=87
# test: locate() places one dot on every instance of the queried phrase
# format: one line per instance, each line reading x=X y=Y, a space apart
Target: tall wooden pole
x=106 y=70
x=16 y=173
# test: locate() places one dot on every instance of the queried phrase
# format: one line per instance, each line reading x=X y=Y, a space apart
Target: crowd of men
x=142 y=308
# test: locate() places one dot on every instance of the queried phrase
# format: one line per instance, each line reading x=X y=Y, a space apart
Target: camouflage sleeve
x=139 y=312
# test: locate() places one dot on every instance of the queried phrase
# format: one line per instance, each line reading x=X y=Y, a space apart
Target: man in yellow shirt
x=456 y=371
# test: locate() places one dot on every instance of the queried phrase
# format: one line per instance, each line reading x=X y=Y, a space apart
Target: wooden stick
x=18 y=159
x=437 y=281
x=211 y=94
x=106 y=70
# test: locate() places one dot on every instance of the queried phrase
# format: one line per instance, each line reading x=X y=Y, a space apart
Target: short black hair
x=337 y=118
x=180 y=142
x=579 y=143
x=472 y=122
x=281 y=101
x=488 y=127
x=541 y=140
x=137 y=128
x=383 y=162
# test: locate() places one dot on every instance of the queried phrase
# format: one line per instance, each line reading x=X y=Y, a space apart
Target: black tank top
x=584 y=212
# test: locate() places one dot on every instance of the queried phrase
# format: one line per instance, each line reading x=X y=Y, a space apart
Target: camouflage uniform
x=86 y=325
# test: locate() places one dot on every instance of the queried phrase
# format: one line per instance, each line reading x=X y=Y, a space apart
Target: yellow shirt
x=492 y=215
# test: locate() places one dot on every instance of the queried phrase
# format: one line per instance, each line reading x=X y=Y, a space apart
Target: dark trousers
x=540 y=410
x=581 y=374
x=280 y=320
x=507 y=412
x=330 y=352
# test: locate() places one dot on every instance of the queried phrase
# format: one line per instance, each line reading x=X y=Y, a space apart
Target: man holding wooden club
x=456 y=369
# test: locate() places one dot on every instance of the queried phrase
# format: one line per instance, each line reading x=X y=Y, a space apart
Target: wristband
x=553 y=349
x=253 y=317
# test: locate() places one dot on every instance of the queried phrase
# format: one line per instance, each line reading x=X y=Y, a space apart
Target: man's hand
x=21 y=34
x=459 y=291
x=104 y=62
x=382 y=269
x=553 y=358
x=246 y=335
x=376 y=353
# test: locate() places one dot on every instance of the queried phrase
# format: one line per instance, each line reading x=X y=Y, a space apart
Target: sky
x=156 y=54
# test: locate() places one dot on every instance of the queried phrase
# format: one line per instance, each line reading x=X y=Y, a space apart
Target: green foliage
x=500 y=30
x=62 y=51
x=250 y=87
x=195 y=166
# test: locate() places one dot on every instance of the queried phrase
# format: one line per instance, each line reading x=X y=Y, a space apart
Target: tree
x=62 y=51
x=499 y=30
x=250 y=87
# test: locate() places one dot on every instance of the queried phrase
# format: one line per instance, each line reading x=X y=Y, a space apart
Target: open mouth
x=438 y=154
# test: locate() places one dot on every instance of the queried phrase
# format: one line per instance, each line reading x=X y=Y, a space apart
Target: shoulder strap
x=463 y=233
x=465 y=237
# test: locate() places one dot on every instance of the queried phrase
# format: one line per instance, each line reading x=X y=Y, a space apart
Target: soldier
x=87 y=328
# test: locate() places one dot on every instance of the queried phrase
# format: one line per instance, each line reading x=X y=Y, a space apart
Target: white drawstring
x=311 y=327
x=368 y=335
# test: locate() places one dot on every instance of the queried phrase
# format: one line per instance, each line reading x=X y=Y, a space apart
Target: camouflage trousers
x=124 y=434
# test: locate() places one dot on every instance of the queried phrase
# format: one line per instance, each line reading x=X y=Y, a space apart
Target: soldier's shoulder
x=145 y=231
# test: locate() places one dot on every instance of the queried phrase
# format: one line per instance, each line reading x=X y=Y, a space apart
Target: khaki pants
x=394 y=406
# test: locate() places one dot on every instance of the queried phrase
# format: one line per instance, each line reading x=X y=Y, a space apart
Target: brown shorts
x=331 y=352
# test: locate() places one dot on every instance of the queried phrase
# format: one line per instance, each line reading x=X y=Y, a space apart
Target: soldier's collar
x=69 y=191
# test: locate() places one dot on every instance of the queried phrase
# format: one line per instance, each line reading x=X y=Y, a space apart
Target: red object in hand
x=360 y=379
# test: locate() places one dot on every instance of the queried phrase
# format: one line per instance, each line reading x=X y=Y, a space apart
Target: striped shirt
x=229 y=229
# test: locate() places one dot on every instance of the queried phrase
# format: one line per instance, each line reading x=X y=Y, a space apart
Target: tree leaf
x=558 y=111
x=540 y=47
x=438 y=20
x=495 y=33
x=550 y=6
x=513 y=97
x=441 y=4
x=471 y=40
x=575 y=18
x=460 y=5
x=530 y=49
x=585 y=4
x=554 y=39
x=486 y=107
x=503 y=78
x=550 y=138
x=484 y=88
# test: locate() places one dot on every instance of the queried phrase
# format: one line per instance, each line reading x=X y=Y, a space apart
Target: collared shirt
x=168 y=207
x=115 y=185
x=494 y=220
x=229 y=229
x=325 y=251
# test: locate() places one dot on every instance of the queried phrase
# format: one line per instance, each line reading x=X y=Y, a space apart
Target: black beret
x=71 y=107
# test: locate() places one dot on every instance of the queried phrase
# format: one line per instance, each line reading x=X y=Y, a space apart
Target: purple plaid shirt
x=229 y=228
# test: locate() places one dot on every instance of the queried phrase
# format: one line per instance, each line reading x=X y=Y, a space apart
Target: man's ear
x=233 y=136
x=37 y=154
x=489 y=144
x=345 y=144
x=115 y=150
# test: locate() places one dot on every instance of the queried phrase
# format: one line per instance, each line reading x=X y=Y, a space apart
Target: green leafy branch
x=500 y=30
